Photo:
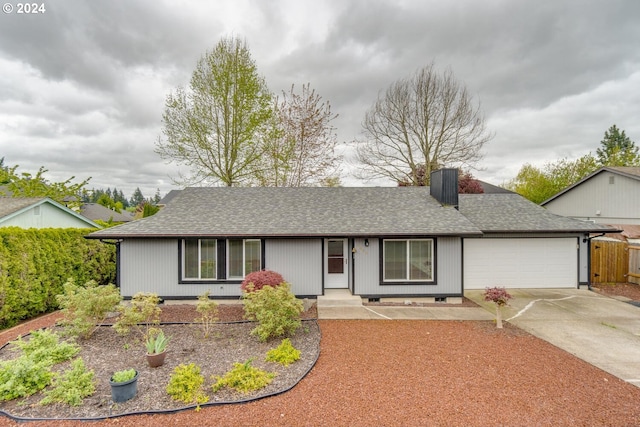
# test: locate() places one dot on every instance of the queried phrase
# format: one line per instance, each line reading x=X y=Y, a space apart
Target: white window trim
x=407 y=241
x=184 y=256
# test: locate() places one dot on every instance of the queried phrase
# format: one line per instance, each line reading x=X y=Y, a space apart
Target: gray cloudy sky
x=82 y=85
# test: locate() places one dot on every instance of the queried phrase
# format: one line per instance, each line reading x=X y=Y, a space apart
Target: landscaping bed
x=106 y=352
x=423 y=373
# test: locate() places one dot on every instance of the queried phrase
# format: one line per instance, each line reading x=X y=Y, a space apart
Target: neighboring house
x=40 y=212
x=610 y=195
x=168 y=198
x=376 y=242
x=95 y=211
x=490 y=188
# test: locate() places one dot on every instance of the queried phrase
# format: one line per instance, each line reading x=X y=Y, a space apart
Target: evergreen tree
x=156 y=199
x=137 y=198
x=617 y=149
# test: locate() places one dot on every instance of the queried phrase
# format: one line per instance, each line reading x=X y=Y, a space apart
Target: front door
x=336 y=264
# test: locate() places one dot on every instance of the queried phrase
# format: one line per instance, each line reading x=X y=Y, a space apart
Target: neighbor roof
x=168 y=197
x=96 y=211
x=627 y=171
x=264 y=212
x=13 y=206
x=511 y=213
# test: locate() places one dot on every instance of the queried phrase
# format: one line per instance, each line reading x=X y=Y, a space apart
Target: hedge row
x=35 y=263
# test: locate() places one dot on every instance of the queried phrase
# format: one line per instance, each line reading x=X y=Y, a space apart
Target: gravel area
x=435 y=373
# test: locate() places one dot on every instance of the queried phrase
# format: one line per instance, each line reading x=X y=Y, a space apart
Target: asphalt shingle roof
x=344 y=211
x=9 y=205
x=95 y=211
x=513 y=213
x=263 y=211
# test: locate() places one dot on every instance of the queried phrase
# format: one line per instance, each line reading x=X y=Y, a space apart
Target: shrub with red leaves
x=500 y=296
x=256 y=280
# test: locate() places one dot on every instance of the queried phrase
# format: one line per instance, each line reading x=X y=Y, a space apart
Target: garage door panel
x=520 y=263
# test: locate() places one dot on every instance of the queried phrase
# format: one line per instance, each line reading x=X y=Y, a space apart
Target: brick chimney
x=444 y=186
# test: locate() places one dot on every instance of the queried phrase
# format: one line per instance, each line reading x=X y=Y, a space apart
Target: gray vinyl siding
x=614 y=201
x=448 y=271
x=583 y=259
x=366 y=265
x=299 y=261
x=149 y=266
x=152 y=266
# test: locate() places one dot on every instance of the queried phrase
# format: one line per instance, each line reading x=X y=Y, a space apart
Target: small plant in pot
x=124 y=385
x=156 y=344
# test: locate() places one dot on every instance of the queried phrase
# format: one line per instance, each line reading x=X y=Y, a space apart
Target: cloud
x=83 y=86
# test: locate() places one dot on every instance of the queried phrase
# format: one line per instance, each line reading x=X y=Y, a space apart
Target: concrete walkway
x=337 y=304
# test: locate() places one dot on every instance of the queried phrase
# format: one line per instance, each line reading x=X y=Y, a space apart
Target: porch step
x=338 y=298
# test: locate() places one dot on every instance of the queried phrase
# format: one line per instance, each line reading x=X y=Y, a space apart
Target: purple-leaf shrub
x=498 y=295
x=256 y=280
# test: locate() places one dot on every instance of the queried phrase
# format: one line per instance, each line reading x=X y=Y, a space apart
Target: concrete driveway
x=602 y=331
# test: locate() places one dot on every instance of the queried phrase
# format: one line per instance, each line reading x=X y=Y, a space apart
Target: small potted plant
x=156 y=347
x=124 y=385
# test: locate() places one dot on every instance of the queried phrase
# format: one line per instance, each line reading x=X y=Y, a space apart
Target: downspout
x=585 y=240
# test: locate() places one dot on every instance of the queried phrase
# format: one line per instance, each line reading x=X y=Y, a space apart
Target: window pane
x=395 y=260
x=208 y=259
x=252 y=256
x=420 y=267
x=235 y=259
x=335 y=256
x=190 y=259
x=335 y=248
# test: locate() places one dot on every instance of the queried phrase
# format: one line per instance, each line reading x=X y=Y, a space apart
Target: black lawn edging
x=175 y=410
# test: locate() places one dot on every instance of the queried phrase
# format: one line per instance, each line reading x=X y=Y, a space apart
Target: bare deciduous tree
x=301 y=151
x=217 y=126
x=426 y=121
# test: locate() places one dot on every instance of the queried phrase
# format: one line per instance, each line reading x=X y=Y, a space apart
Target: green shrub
x=85 y=307
x=208 y=310
x=244 y=378
x=276 y=309
x=35 y=264
x=285 y=353
x=143 y=310
x=185 y=384
x=123 y=376
x=45 y=346
x=23 y=377
x=31 y=371
x=72 y=386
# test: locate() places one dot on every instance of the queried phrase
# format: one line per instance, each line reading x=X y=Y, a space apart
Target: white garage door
x=520 y=263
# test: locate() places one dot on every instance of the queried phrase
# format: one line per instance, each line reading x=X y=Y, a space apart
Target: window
x=199 y=260
x=243 y=257
x=218 y=260
x=408 y=260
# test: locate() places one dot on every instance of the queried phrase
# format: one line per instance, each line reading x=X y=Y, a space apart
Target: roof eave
x=278 y=236
x=553 y=231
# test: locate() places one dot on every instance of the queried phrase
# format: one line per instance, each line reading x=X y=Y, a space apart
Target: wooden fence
x=634 y=264
x=610 y=261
